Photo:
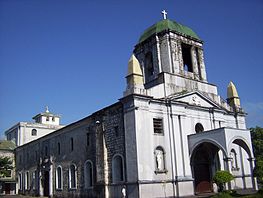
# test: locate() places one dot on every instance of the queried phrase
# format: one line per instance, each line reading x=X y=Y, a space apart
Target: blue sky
x=72 y=55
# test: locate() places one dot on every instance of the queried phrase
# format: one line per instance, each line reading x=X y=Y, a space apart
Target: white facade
x=201 y=132
x=24 y=132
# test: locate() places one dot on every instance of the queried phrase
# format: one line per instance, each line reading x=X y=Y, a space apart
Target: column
x=194 y=63
x=252 y=166
x=106 y=166
x=51 y=177
x=180 y=58
x=228 y=168
x=175 y=56
x=202 y=64
x=41 y=190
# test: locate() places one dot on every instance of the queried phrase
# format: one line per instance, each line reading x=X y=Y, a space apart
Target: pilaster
x=252 y=166
x=202 y=64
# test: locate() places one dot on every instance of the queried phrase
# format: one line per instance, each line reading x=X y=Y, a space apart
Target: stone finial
x=134 y=66
x=232 y=96
x=134 y=77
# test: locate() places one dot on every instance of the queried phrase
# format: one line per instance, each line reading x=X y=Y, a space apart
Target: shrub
x=222 y=177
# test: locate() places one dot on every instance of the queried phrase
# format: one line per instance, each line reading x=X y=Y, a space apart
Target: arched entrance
x=205 y=162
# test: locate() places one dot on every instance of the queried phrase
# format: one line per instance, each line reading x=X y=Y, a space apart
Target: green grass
x=233 y=194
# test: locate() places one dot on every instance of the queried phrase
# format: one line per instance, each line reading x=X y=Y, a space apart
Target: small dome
x=166 y=24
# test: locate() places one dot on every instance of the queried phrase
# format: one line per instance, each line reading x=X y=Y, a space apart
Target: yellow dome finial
x=134 y=76
x=134 y=67
x=232 y=96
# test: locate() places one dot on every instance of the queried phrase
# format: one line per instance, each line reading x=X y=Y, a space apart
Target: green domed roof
x=166 y=24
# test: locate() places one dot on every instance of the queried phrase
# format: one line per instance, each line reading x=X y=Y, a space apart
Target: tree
x=222 y=177
x=5 y=166
x=258 y=170
x=257 y=142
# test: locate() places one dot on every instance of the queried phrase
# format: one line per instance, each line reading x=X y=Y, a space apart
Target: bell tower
x=170 y=53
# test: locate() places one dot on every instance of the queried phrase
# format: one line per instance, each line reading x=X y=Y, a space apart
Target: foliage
x=5 y=166
x=257 y=142
x=222 y=177
x=258 y=171
x=222 y=195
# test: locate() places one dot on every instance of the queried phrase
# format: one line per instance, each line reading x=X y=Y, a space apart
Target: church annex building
x=166 y=137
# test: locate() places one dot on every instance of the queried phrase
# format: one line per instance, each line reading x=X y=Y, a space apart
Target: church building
x=24 y=132
x=166 y=137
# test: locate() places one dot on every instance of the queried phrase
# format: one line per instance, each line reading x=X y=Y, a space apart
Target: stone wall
x=44 y=155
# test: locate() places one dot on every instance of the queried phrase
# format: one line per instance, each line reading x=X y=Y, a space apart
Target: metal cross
x=164 y=14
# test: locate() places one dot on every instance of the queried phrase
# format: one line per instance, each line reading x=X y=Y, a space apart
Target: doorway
x=202 y=169
x=7 y=188
x=46 y=183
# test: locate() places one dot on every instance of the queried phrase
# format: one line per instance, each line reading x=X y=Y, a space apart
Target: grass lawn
x=259 y=194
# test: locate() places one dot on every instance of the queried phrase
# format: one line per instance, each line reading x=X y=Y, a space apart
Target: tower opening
x=187 y=59
x=149 y=70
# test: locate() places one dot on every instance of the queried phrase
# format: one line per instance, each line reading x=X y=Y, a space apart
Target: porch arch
x=215 y=143
x=240 y=141
x=205 y=161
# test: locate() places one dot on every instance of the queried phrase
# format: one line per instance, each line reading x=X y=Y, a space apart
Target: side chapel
x=166 y=137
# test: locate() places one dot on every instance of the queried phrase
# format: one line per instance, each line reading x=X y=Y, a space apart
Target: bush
x=222 y=177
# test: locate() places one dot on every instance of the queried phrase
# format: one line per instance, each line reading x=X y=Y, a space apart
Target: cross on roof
x=164 y=13
x=47 y=111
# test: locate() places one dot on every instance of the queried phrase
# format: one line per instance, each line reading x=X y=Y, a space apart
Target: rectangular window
x=116 y=131
x=36 y=155
x=72 y=144
x=46 y=151
x=88 y=139
x=187 y=57
x=58 y=148
x=158 y=125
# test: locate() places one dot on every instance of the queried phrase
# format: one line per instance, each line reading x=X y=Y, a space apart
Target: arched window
x=159 y=155
x=199 y=128
x=27 y=181
x=149 y=70
x=72 y=176
x=59 y=178
x=117 y=169
x=234 y=164
x=88 y=174
x=34 y=132
x=20 y=181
